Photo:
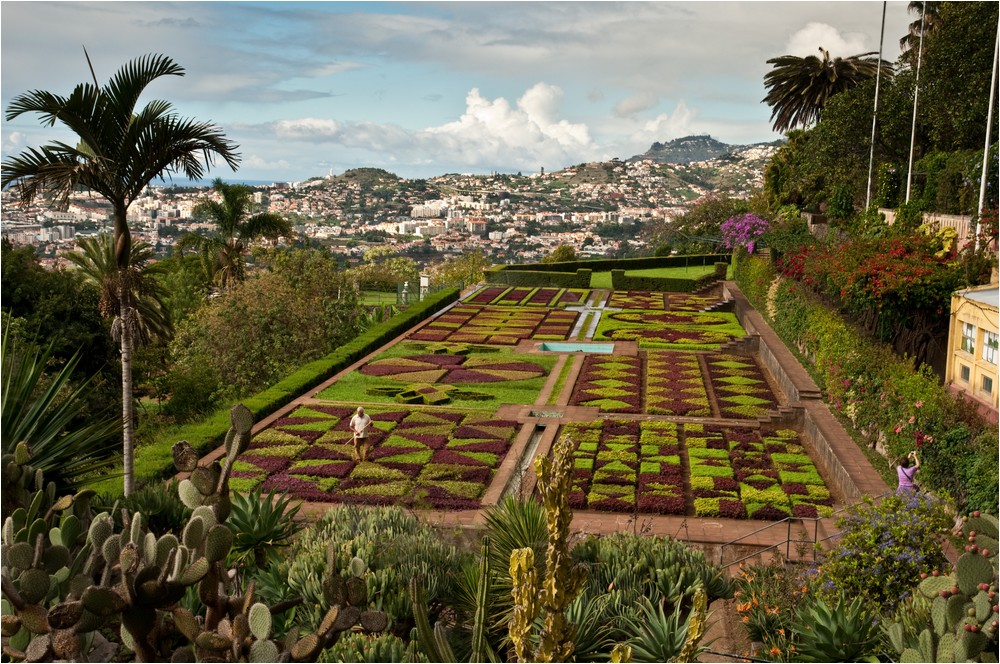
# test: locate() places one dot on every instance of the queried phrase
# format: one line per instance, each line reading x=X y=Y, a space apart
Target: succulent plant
x=67 y=574
x=964 y=621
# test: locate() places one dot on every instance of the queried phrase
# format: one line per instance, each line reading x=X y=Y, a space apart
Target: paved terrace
x=847 y=471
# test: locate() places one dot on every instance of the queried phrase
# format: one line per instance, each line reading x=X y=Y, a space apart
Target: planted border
x=741 y=390
x=674 y=385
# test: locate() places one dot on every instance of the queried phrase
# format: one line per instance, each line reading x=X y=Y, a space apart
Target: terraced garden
x=665 y=424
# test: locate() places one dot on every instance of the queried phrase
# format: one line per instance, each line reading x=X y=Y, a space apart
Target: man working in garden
x=906 y=470
x=359 y=425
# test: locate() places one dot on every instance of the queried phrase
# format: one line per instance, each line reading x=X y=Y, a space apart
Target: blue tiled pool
x=561 y=347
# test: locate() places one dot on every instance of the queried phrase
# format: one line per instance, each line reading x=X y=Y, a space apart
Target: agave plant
x=658 y=636
x=262 y=526
x=50 y=414
x=840 y=633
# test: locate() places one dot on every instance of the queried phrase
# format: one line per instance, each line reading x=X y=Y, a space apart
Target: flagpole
x=986 y=148
x=916 y=90
x=878 y=76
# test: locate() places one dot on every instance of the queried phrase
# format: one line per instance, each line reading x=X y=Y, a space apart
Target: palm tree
x=928 y=20
x=98 y=266
x=121 y=150
x=237 y=227
x=798 y=88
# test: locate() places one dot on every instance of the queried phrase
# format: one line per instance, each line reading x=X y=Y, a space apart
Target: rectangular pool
x=561 y=347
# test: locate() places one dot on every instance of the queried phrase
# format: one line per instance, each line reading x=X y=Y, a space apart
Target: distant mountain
x=689 y=149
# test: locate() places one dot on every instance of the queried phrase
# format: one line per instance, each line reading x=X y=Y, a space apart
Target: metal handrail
x=788 y=538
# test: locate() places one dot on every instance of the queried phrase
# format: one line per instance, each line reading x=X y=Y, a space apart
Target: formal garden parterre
x=440 y=459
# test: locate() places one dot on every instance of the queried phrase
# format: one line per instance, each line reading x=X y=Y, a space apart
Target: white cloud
x=13 y=142
x=667 y=126
x=307 y=129
x=807 y=41
x=257 y=162
x=637 y=103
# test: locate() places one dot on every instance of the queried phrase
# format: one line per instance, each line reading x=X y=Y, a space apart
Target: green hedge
x=154 y=459
x=885 y=397
x=578 y=279
x=622 y=281
x=607 y=264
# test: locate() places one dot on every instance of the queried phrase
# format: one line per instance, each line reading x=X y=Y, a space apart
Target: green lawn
x=377 y=297
x=359 y=387
x=603 y=279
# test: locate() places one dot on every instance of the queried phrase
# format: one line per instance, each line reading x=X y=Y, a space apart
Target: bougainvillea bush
x=611 y=383
x=462 y=374
x=733 y=472
x=741 y=390
x=504 y=326
x=670 y=329
x=440 y=459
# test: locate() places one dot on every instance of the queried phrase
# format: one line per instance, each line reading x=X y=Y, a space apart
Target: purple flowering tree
x=743 y=230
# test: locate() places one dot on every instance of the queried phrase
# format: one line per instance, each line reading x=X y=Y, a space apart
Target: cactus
x=963 y=621
x=56 y=552
x=563 y=580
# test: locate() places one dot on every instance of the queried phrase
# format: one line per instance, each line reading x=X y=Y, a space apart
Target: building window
x=964 y=373
x=990 y=343
x=987 y=385
x=968 y=337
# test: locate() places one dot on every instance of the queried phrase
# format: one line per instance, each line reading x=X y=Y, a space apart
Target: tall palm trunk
x=123 y=242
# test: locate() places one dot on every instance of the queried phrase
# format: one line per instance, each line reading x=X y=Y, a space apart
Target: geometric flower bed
x=497 y=325
x=637 y=300
x=741 y=390
x=674 y=385
x=624 y=465
x=417 y=458
x=529 y=296
x=776 y=477
x=689 y=302
x=478 y=377
x=609 y=383
x=660 y=329
x=737 y=473
x=445 y=368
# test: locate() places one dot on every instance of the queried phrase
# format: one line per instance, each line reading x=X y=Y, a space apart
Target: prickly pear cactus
x=67 y=574
x=964 y=616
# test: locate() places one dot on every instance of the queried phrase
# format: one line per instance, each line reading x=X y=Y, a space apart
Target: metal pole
x=916 y=90
x=986 y=148
x=878 y=78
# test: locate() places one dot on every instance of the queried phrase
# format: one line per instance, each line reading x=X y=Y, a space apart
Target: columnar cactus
x=563 y=579
x=964 y=615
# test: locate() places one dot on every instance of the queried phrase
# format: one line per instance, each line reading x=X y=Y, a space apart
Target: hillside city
x=593 y=207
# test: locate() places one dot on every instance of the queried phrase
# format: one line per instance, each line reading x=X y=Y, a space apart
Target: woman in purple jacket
x=906 y=471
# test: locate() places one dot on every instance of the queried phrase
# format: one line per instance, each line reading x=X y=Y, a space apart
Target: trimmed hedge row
x=607 y=264
x=154 y=460
x=621 y=281
x=578 y=279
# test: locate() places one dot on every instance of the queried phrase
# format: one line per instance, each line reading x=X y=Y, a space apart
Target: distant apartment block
x=973 y=340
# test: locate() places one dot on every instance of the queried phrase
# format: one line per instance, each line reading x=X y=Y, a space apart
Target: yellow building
x=973 y=347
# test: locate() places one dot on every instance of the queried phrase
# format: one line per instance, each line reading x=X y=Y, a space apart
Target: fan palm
x=798 y=88
x=98 y=266
x=121 y=150
x=237 y=227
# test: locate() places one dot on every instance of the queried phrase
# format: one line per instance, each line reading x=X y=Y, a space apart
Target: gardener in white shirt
x=359 y=425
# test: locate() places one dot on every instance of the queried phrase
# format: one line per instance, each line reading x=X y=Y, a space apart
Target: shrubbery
x=887 y=399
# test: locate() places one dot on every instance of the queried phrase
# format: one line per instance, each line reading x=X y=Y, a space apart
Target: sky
x=309 y=89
